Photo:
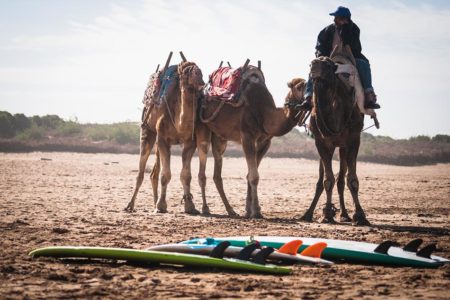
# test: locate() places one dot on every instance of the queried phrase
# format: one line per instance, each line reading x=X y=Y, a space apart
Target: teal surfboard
x=147 y=256
x=340 y=250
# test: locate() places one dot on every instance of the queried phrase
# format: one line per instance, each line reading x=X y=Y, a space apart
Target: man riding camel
x=346 y=32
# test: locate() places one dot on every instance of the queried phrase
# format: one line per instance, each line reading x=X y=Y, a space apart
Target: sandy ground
x=78 y=199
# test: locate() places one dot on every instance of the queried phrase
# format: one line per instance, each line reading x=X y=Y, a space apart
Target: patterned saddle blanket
x=224 y=84
x=159 y=84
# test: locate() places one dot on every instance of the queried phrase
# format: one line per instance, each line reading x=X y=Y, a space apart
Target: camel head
x=252 y=74
x=323 y=68
x=294 y=97
x=191 y=77
x=296 y=91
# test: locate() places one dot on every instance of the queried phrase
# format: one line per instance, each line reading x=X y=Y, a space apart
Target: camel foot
x=192 y=211
x=130 y=207
x=328 y=220
x=345 y=218
x=360 y=220
x=232 y=213
x=160 y=211
x=307 y=217
x=329 y=212
x=256 y=215
x=205 y=210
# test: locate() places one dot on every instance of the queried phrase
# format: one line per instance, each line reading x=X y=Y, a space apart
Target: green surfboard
x=147 y=256
x=339 y=250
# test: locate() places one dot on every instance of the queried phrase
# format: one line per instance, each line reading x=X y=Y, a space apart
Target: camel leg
x=147 y=141
x=164 y=152
x=218 y=148
x=359 y=217
x=259 y=156
x=326 y=155
x=154 y=176
x=341 y=183
x=203 y=141
x=185 y=177
x=308 y=216
x=248 y=144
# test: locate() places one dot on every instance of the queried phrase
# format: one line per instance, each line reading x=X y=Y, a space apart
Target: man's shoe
x=372 y=105
x=305 y=105
x=370 y=100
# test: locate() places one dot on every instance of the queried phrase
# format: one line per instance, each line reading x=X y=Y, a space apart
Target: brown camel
x=171 y=123
x=252 y=124
x=335 y=122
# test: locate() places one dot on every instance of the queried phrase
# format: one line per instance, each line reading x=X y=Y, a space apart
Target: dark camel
x=335 y=122
x=252 y=124
x=169 y=124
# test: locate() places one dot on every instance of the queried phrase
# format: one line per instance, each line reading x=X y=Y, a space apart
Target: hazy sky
x=91 y=59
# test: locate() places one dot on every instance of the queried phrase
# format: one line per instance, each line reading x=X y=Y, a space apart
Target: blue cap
x=341 y=12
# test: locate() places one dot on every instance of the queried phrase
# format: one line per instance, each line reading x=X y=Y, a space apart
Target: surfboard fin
x=247 y=251
x=291 y=247
x=413 y=246
x=219 y=250
x=384 y=247
x=261 y=256
x=426 y=251
x=314 y=250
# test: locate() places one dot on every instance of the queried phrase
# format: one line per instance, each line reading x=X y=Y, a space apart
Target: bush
x=419 y=138
x=441 y=138
x=32 y=133
x=125 y=133
x=21 y=122
x=36 y=120
x=97 y=132
x=6 y=125
x=51 y=121
x=69 y=129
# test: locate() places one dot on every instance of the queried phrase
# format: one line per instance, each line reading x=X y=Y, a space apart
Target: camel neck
x=187 y=114
x=278 y=121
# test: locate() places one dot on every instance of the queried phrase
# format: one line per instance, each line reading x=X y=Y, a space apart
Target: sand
x=78 y=199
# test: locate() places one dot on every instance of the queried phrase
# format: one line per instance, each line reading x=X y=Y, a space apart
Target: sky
x=89 y=60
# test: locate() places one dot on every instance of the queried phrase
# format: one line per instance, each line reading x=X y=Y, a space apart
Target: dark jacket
x=349 y=34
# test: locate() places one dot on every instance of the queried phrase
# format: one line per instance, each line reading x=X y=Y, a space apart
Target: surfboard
x=147 y=256
x=347 y=251
x=286 y=257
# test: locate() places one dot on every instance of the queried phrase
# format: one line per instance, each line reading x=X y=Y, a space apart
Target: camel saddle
x=224 y=84
x=348 y=74
x=158 y=86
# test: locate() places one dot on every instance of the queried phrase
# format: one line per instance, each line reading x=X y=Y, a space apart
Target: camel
x=253 y=124
x=171 y=123
x=336 y=121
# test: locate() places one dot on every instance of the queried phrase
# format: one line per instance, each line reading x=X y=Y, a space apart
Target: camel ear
x=301 y=85
x=289 y=84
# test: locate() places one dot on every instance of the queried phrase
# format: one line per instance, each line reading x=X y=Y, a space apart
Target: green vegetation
x=19 y=133
x=36 y=128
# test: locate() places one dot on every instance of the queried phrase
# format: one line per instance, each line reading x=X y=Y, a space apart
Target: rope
x=213 y=116
x=168 y=110
x=368 y=127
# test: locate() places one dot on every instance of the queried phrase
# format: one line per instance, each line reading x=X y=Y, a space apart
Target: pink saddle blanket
x=224 y=84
